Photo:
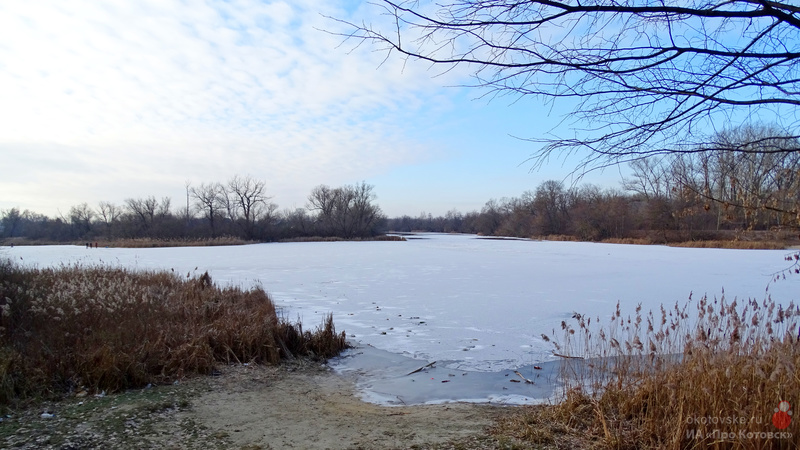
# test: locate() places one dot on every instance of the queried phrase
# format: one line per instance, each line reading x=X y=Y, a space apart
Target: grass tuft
x=75 y=328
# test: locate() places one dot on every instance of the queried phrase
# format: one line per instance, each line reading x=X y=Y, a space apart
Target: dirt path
x=301 y=406
x=312 y=408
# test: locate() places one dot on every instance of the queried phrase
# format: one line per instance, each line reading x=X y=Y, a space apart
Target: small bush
x=102 y=328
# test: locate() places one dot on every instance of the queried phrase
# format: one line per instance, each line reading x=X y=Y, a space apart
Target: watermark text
x=740 y=435
x=723 y=420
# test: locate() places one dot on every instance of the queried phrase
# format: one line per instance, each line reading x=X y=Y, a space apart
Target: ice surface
x=393 y=379
x=476 y=304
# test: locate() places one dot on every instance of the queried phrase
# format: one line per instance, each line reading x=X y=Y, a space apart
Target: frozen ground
x=473 y=305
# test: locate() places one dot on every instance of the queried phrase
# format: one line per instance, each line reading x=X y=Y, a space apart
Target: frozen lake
x=472 y=304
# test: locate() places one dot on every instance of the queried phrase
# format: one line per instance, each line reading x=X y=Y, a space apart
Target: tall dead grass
x=713 y=243
x=102 y=328
x=154 y=242
x=382 y=237
x=628 y=241
x=733 y=244
x=711 y=375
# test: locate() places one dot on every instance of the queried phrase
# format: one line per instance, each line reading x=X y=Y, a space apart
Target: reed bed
x=133 y=242
x=391 y=238
x=91 y=329
x=556 y=238
x=154 y=242
x=708 y=374
x=628 y=241
x=734 y=244
x=711 y=243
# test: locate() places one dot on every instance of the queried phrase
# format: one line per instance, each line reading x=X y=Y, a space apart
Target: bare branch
x=650 y=78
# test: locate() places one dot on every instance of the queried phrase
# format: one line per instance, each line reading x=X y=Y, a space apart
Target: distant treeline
x=239 y=208
x=654 y=206
x=745 y=179
x=590 y=213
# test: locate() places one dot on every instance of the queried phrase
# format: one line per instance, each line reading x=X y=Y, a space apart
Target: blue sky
x=102 y=101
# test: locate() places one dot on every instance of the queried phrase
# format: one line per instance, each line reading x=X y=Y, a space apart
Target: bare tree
x=266 y=220
x=647 y=78
x=80 y=217
x=552 y=203
x=296 y=222
x=163 y=208
x=491 y=217
x=109 y=214
x=248 y=198
x=346 y=211
x=143 y=210
x=148 y=212
x=752 y=188
x=452 y=221
x=208 y=198
x=323 y=200
x=520 y=217
x=649 y=179
x=11 y=220
x=227 y=204
x=366 y=215
x=187 y=212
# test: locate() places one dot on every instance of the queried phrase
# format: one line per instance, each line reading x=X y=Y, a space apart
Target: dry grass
x=552 y=427
x=557 y=238
x=152 y=243
x=628 y=241
x=733 y=244
x=713 y=378
x=340 y=239
x=133 y=242
x=76 y=328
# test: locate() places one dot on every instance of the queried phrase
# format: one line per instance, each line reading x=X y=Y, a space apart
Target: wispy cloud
x=113 y=99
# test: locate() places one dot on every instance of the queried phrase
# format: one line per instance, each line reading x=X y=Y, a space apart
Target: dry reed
x=154 y=242
x=711 y=376
x=733 y=244
x=100 y=328
x=628 y=241
x=341 y=239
